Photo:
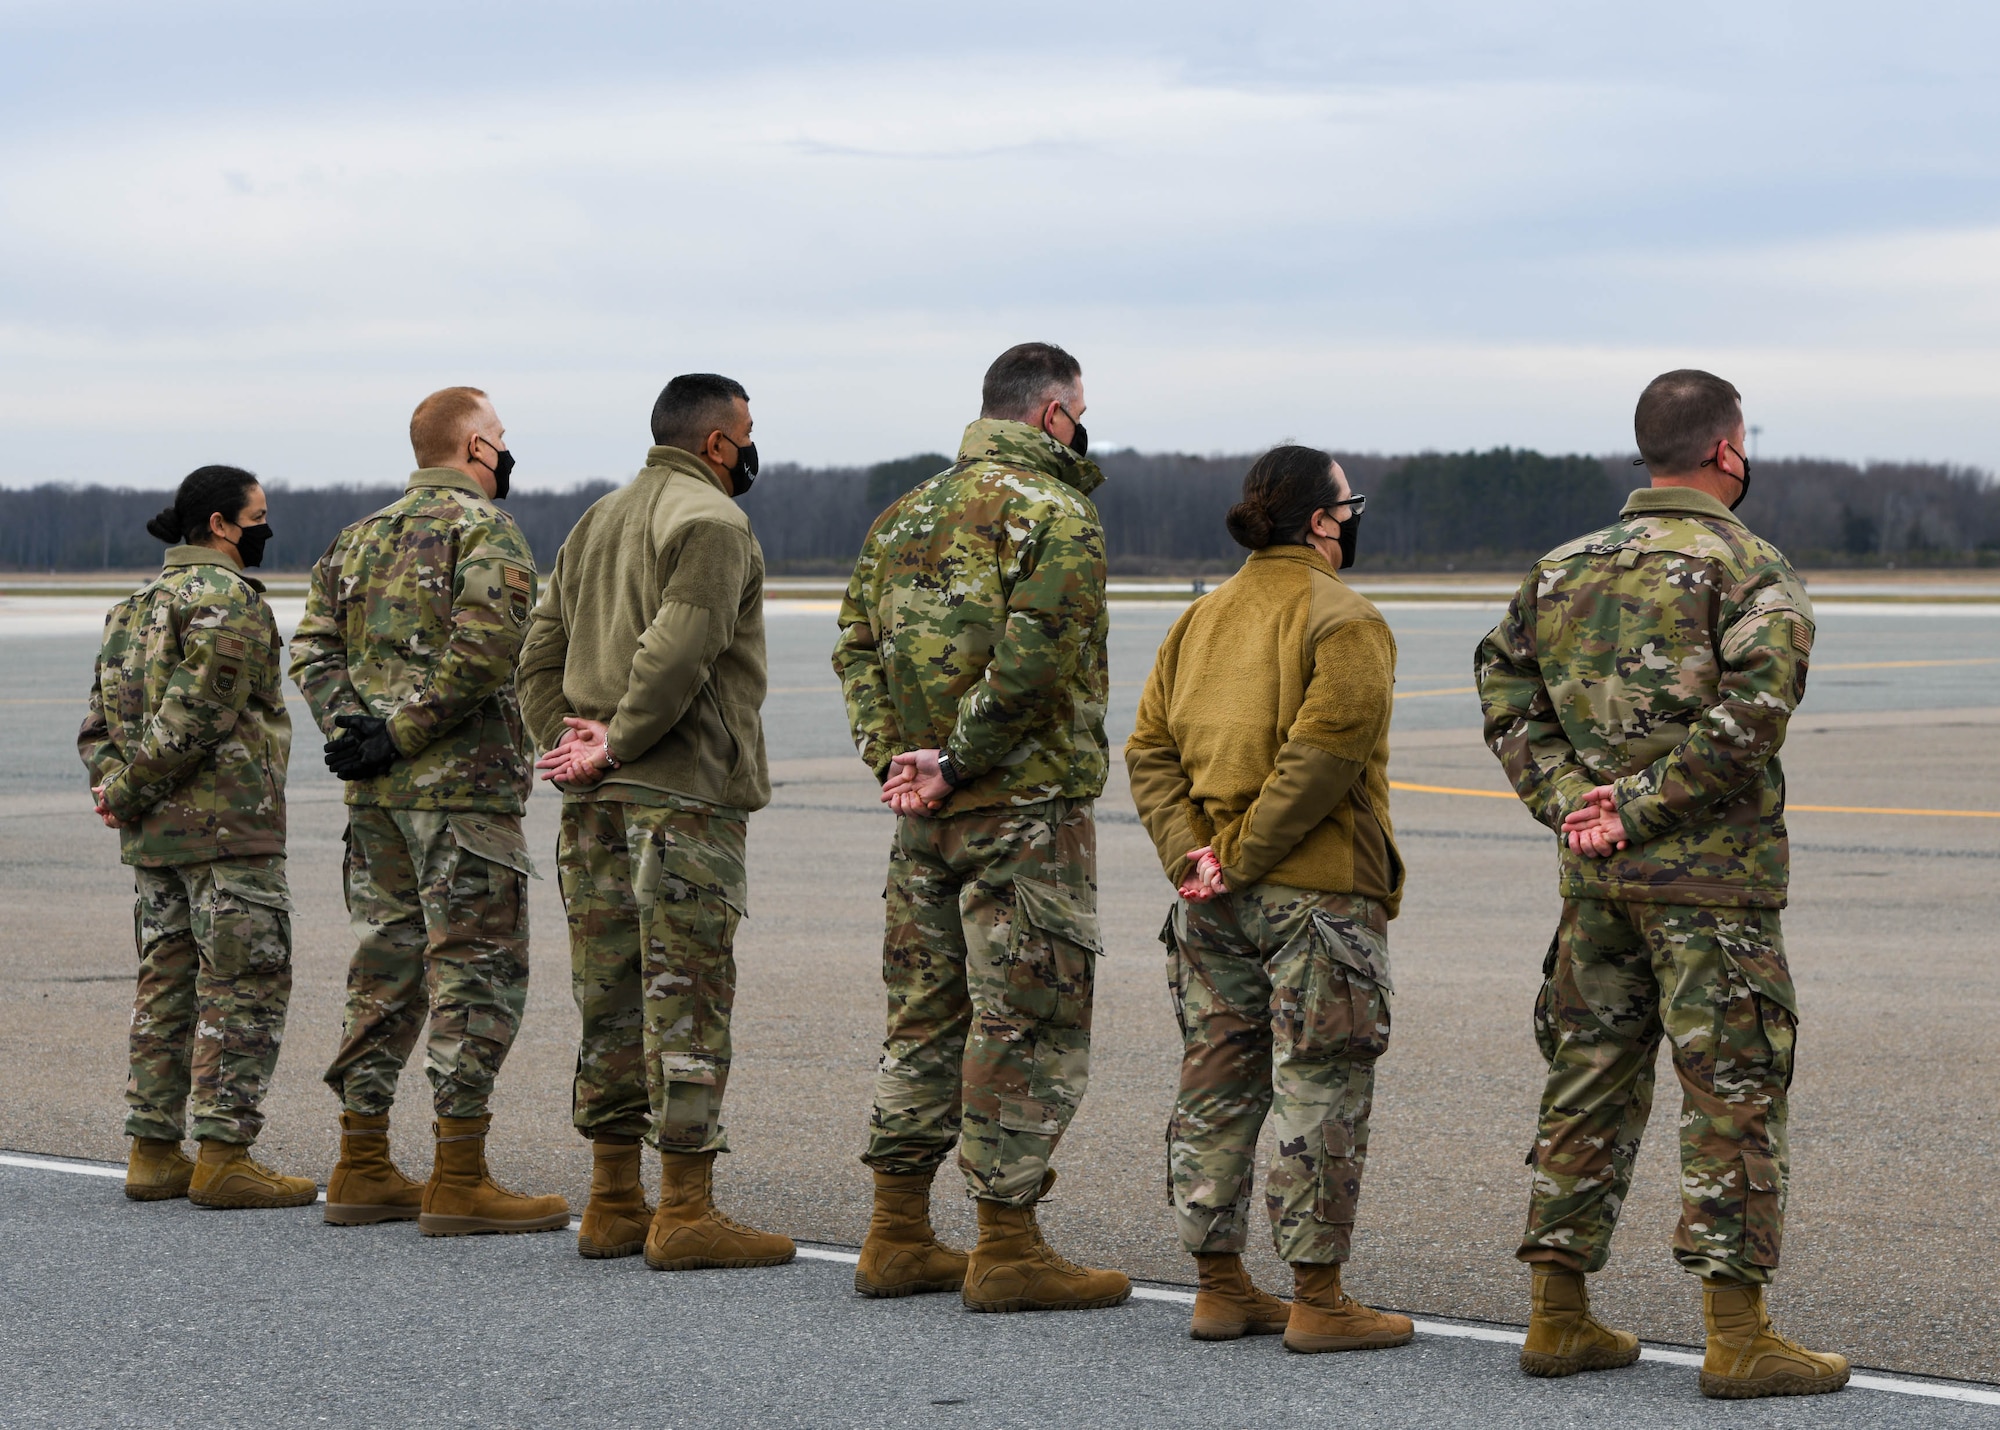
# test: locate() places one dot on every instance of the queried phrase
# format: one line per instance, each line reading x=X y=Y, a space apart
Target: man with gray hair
x=972 y=656
x=642 y=678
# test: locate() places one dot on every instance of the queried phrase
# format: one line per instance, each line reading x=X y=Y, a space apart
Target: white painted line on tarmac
x=43 y=1164
x=1186 y=1298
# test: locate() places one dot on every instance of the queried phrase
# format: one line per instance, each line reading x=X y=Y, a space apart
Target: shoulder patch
x=1801 y=638
x=519 y=579
x=231 y=646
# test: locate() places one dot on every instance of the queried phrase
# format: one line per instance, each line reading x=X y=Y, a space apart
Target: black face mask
x=250 y=543
x=1080 y=443
x=1745 y=478
x=743 y=472
x=1350 y=532
x=502 y=468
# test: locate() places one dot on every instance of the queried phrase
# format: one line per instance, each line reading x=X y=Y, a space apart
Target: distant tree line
x=1162 y=513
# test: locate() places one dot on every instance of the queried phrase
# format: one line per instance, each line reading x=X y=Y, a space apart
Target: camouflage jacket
x=187 y=730
x=416 y=615
x=1663 y=656
x=975 y=622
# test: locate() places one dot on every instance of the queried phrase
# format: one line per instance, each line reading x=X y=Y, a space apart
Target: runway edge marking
x=1186 y=1298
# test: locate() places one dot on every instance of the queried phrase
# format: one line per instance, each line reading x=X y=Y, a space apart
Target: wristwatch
x=611 y=761
x=947 y=771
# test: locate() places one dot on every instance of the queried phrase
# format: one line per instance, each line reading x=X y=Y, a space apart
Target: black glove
x=365 y=752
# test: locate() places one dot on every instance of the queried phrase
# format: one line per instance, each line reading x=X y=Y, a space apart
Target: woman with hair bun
x=1260 y=768
x=186 y=743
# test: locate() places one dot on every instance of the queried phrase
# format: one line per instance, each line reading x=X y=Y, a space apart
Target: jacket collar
x=193 y=555
x=445 y=477
x=1016 y=444
x=679 y=459
x=1305 y=555
x=1687 y=501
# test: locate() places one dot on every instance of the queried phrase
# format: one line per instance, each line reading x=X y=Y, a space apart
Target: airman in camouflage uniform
x=413 y=624
x=187 y=738
x=1649 y=670
x=975 y=626
x=186 y=743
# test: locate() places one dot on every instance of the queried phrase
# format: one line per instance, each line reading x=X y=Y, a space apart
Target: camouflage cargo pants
x=215 y=978
x=437 y=900
x=989 y=958
x=654 y=894
x=1283 y=1001
x=1713 y=981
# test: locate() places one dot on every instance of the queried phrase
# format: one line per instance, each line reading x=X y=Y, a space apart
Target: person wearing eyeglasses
x=1636 y=694
x=1260 y=769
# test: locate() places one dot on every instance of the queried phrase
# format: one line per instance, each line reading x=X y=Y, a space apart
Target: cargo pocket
x=1339 y=1175
x=1175 y=987
x=492 y=883
x=1052 y=956
x=248 y=918
x=1763 y=1208
x=1329 y=992
x=1545 y=1008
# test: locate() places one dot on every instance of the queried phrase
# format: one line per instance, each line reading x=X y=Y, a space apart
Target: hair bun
x=166 y=527
x=1250 y=524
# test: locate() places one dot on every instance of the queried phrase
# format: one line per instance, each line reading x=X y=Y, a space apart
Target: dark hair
x=1281 y=491
x=1024 y=377
x=1682 y=415
x=692 y=406
x=204 y=492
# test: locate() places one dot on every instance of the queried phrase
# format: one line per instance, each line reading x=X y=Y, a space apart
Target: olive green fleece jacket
x=1264 y=732
x=653 y=623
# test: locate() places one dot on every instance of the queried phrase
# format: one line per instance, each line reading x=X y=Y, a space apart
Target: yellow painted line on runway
x=1907 y=664
x=1450 y=789
x=1808 y=808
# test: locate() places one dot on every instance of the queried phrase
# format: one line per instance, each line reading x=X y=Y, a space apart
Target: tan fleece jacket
x=653 y=622
x=1264 y=731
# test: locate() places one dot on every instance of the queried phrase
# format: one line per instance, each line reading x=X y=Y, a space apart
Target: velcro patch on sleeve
x=1801 y=638
x=519 y=579
x=223 y=681
x=231 y=646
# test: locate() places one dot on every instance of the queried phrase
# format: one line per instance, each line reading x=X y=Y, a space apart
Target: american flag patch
x=231 y=646
x=519 y=579
x=1801 y=638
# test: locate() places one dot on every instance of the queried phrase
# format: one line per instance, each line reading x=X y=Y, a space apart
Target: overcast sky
x=259 y=232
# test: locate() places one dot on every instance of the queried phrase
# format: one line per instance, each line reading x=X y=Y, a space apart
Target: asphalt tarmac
x=1892 y=1225
x=375 y=1326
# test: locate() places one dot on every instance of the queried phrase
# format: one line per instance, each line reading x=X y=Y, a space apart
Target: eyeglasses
x=1353 y=501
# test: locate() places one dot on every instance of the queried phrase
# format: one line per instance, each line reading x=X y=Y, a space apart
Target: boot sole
x=487 y=1226
x=1552 y=1367
x=365 y=1214
x=250 y=1201
x=1204 y=1329
x=1320 y=1344
x=717 y=1263
x=905 y=1288
x=1721 y=1387
x=1023 y=1303
x=154 y=1194
x=591 y=1251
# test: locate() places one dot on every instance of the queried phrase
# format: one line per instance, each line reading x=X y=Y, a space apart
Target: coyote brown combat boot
x=616 y=1217
x=1227 y=1305
x=901 y=1255
x=227 y=1177
x=1326 y=1318
x=462 y=1199
x=1013 y=1269
x=1747 y=1358
x=366 y=1187
x=1563 y=1337
x=157 y=1170
x=688 y=1233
